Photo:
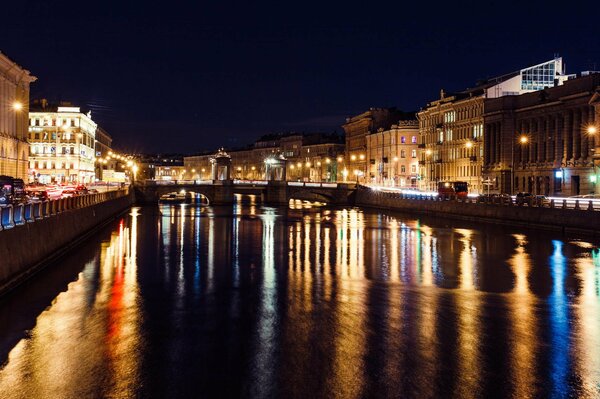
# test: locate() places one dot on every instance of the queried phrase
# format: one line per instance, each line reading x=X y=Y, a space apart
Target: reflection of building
x=358 y=127
x=451 y=129
x=546 y=140
x=310 y=157
x=14 y=108
x=62 y=144
x=392 y=155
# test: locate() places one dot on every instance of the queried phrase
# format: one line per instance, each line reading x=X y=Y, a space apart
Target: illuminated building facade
x=310 y=157
x=451 y=129
x=546 y=142
x=103 y=147
x=62 y=144
x=392 y=155
x=14 y=108
x=357 y=128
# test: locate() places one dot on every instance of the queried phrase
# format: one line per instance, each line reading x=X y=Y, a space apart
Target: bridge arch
x=310 y=195
x=191 y=192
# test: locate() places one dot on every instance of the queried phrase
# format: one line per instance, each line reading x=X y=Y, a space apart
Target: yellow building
x=62 y=144
x=14 y=108
x=451 y=132
x=357 y=128
x=310 y=157
x=392 y=155
x=451 y=129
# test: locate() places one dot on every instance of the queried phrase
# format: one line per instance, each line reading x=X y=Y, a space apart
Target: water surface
x=253 y=301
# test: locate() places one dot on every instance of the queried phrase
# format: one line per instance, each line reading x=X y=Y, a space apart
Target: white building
x=62 y=143
x=537 y=77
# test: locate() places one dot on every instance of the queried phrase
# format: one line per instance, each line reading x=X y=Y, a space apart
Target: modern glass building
x=542 y=76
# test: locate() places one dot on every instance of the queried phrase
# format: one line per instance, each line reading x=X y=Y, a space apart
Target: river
x=306 y=301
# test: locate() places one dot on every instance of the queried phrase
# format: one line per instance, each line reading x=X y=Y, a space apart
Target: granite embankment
x=508 y=213
x=33 y=238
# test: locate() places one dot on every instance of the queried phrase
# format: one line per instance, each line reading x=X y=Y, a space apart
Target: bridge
x=221 y=189
x=222 y=192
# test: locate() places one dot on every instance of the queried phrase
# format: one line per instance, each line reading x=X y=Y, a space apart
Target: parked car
x=502 y=198
x=541 y=200
x=12 y=190
x=523 y=198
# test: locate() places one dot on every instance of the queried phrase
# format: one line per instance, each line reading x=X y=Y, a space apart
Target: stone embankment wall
x=57 y=227
x=508 y=213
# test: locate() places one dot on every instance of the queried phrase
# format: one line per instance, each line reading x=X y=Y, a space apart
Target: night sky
x=187 y=76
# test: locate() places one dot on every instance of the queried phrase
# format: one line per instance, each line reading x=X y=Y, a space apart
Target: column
x=567 y=132
x=498 y=142
x=487 y=144
x=531 y=142
x=549 y=129
x=558 y=139
x=576 y=133
x=585 y=152
x=541 y=136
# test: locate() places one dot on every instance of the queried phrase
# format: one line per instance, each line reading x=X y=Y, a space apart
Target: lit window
x=413 y=140
x=403 y=140
x=413 y=153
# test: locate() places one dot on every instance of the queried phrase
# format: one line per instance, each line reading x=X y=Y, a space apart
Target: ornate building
x=545 y=142
x=392 y=155
x=451 y=129
x=358 y=127
x=14 y=109
x=310 y=157
x=62 y=144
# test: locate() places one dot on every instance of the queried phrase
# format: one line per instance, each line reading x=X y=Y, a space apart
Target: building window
x=403 y=140
x=403 y=169
x=403 y=154
x=413 y=140
x=441 y=137
x=450 y=116
x=413 y=153
x=413 y=168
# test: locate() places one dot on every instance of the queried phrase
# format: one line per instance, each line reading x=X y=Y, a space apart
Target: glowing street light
x=427 y=152
x=340 y=159
x=523 y=139
x=17 y=106
x=469 y=144
x=353 y=157
x=362 y=157
x=592 y=130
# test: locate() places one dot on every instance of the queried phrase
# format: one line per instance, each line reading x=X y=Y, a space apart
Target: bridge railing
x=312 y=184
x=529 y=202
x=15 y=215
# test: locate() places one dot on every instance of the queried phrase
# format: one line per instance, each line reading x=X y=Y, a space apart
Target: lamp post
x=522 y=140
x=591 y=131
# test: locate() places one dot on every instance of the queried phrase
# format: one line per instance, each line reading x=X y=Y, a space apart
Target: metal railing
x=15 y=215
x=530 y=202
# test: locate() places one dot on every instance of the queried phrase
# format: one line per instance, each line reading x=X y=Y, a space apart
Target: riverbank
x=26 y=249
x=577 y=221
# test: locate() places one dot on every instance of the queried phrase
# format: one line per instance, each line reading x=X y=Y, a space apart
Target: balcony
x=473 y=158
x=421 y=145
x=438 y=161
x=421 y=162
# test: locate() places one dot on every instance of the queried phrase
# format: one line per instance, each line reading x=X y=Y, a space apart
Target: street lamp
x=523 y=140
x=17 y=106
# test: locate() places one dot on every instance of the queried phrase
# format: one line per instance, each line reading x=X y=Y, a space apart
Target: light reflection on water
x=261 y=302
